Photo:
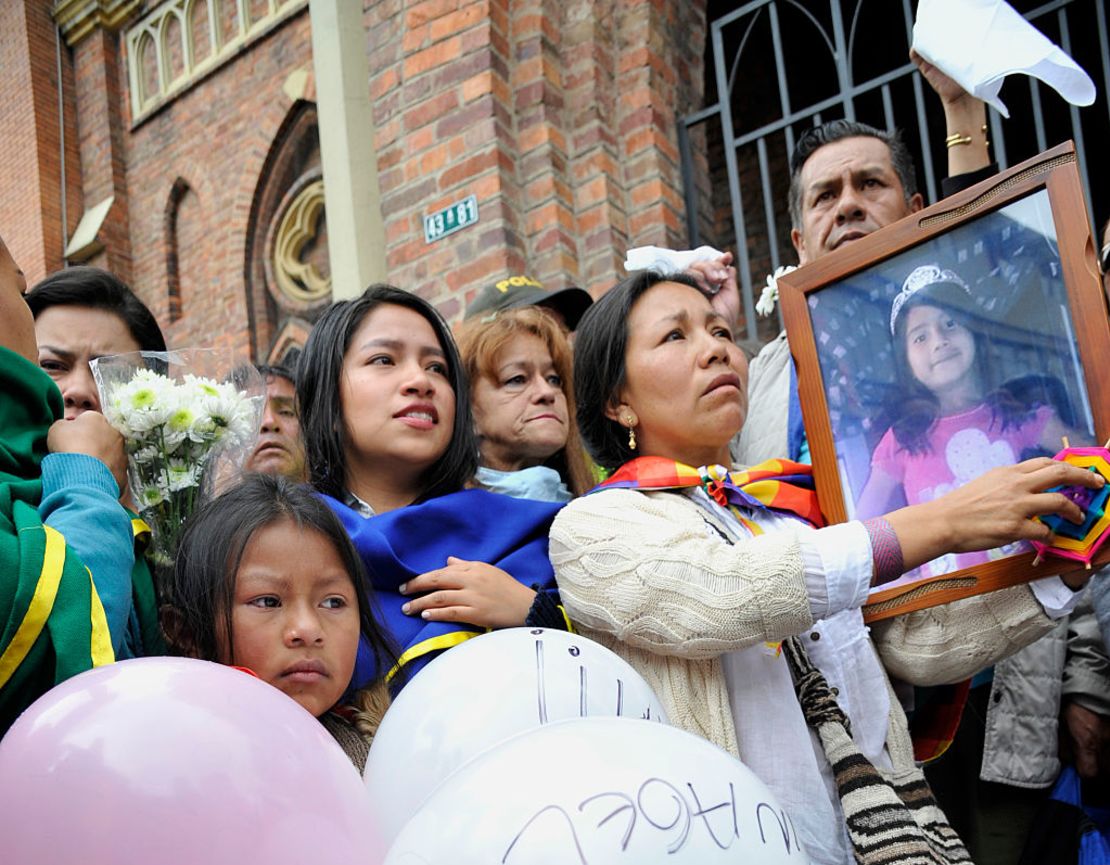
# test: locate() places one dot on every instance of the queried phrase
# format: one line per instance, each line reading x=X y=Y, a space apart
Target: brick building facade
x=186 y=136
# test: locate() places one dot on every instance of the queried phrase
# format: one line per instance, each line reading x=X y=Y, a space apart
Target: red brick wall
x=215 y=137
x=101 y=101
x=558 y=114
x=30 y=141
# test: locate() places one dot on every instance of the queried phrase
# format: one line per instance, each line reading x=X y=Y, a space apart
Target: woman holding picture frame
x=743 y=615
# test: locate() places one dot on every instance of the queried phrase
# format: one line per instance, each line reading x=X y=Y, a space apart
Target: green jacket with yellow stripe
x=52 y=622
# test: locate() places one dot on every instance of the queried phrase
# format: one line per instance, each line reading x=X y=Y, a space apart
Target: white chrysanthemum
x=144 y=452
x=187 y=422
x=229 y=412
x=181 y=474
x=173 y=430
x=151 y=496
x=770 y=294
x=242 y=423
x=140 y=405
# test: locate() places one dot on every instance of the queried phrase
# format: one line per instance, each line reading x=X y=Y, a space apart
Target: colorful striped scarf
x=776 y=485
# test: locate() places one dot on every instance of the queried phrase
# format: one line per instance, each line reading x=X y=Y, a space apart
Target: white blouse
x=772 y=735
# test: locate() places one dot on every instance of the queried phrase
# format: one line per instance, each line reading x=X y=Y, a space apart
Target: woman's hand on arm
x=994 y=509
x=473 y=592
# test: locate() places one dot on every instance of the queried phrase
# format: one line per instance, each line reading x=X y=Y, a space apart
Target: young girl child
x=389 y=440
x=951 y=427
x=266 y=579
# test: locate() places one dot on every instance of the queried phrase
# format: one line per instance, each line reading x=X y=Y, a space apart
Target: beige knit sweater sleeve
x=651 y=570
x=949 y=643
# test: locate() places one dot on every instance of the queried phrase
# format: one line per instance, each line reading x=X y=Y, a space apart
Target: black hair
x=98 y=289
x=277 y=371
x=915 y=408
x=202 y=591
x=813 y=139
x=601 y=342
x=318 y=399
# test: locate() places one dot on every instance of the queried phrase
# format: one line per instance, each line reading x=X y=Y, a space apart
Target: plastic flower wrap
x=188 y=419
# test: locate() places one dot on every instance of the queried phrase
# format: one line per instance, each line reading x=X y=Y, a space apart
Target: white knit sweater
x=645 y=574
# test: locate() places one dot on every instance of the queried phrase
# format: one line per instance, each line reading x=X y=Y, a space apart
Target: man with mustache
x=847 y=181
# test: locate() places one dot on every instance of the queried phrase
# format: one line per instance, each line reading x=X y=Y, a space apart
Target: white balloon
x=482 y=692
x=601 y=791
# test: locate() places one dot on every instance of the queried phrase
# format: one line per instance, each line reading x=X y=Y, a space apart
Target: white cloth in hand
x=667 y=261
x=977 y=43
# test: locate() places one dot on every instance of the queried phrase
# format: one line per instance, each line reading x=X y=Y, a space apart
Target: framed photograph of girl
x=969 y=335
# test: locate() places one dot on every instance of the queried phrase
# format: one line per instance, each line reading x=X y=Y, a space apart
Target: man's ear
x=916 y=202
x=799 y=245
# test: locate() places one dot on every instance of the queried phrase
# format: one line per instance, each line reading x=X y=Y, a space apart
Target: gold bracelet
x=958 y=138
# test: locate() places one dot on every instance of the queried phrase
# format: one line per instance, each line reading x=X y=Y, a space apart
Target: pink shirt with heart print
x=961 y=447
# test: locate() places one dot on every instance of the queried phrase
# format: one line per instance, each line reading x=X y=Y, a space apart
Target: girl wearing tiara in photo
x=950 y=426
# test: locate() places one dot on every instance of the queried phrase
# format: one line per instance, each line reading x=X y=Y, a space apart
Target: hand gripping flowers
x=176 y=432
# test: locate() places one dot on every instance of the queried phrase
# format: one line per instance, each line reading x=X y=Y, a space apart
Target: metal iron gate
x=776 y=67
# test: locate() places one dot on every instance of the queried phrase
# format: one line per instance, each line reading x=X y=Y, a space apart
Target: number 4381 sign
x=451 y=219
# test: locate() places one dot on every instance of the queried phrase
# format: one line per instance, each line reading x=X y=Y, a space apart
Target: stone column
x=356 y=234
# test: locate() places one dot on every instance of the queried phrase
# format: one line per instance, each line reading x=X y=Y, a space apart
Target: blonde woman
x=520 y=369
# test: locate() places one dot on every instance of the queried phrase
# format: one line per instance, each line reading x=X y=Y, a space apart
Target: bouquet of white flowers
x=181 y=430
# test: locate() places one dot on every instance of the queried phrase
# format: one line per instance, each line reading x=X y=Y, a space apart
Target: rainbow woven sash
x=777 y=485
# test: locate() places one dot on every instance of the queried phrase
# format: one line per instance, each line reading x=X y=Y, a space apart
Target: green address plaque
x=451 y=219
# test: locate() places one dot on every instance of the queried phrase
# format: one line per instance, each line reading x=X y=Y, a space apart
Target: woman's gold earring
x=631 y=421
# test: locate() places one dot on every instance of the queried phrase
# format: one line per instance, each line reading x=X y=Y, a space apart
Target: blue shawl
x=472 y=524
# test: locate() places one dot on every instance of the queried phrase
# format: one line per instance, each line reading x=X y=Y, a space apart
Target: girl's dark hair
x=321 y=409
x=601 y=342
x=99 y=289
x=915 y=408
x=202 y=592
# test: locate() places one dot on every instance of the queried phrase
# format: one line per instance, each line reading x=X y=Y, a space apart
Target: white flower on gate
x=770 y=294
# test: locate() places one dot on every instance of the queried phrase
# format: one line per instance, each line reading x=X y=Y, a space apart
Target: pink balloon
x=177 y=762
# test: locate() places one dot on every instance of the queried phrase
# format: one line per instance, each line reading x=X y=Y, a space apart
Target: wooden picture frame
x=1033 y=306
